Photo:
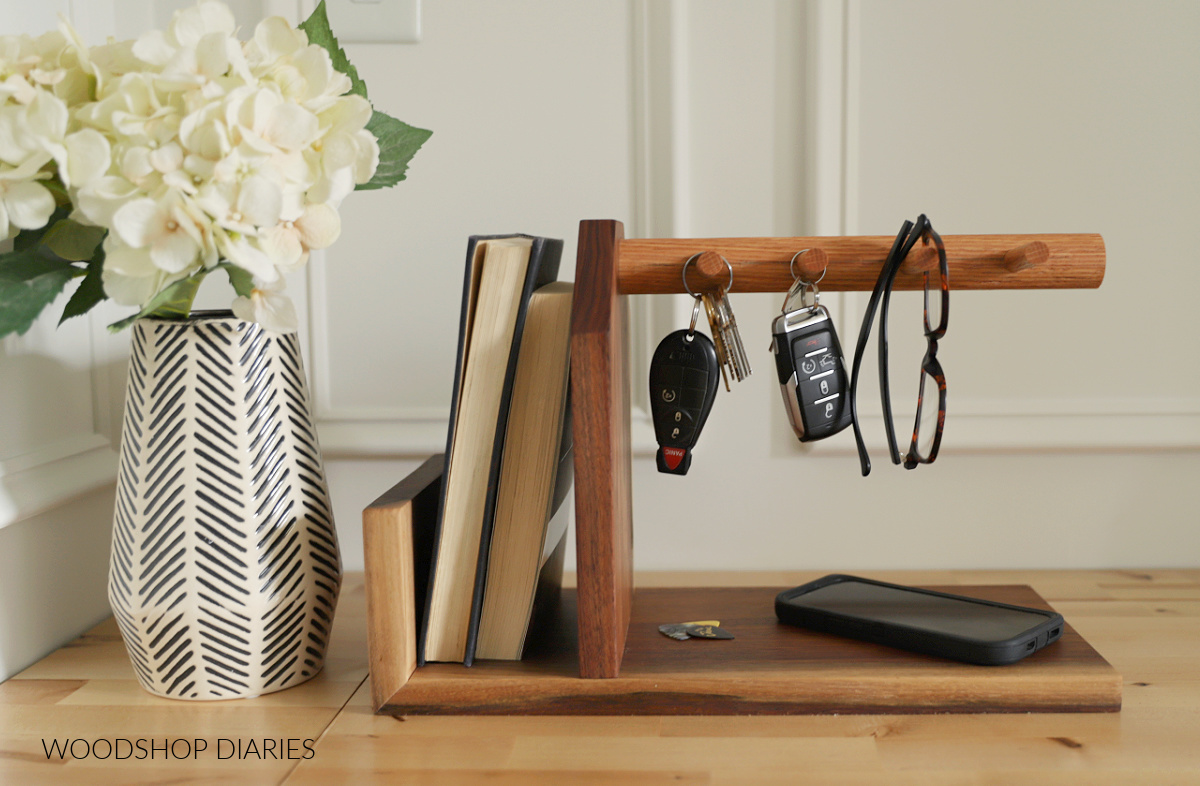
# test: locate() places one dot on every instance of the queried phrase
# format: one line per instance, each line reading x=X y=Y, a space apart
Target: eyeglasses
x=927 y=434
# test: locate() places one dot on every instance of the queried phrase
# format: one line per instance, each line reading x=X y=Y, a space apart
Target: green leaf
x=61 y=197
x=398 y=143
x=90 y=292
x=320 y=33
x=174 y=302
x=239 y=278
x=28 y=283
x=74 y=241
x=28 y=238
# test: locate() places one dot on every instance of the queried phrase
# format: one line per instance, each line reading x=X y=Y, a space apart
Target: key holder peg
x=712 y=273
x=810 y=265
x=1026 y=256
x=923 y=258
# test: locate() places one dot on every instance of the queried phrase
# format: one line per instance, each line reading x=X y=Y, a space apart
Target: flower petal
x=30 y=204
x=243 y=309
x=167 y=158
x=319 y=227
x=276 y=38
x=247 y=256
x=368 y=156
x=292 y=127
x=47 y=117
x=100 y=199
x=270 y=309
x=260 y=201
x=89 y=156
x=11 y=150
x=191 y=24
x=131 y=262
x=19 y=88
x=283 y=246
x=153 y=48
x=129 y=290
x=139 y=222
x=348 y=114
x=338 y=151
x=212 y=55
x=174 y=252
x=135 y=163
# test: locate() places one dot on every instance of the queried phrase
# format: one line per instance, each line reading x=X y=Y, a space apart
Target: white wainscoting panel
x=530 y=107
x=1079 y=133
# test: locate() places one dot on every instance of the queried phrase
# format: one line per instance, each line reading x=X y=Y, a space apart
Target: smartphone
x=919 y=620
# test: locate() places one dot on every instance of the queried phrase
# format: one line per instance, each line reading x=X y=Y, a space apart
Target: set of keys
x=684 y=371
x=731 y=354
x=808 y=359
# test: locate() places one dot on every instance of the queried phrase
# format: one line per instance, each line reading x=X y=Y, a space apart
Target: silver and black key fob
x=812 y=372
x=683 y=384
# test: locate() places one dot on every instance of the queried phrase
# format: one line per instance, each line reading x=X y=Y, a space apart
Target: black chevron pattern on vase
x=225 y=571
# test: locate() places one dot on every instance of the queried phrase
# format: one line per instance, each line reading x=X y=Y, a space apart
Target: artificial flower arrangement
x=143 y=166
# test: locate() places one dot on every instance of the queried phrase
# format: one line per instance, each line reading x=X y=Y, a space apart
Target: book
x=398 y=532
x=535 y=476
x=502 y=272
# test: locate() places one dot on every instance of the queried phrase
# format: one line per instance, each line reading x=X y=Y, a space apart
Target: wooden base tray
x=769 y=669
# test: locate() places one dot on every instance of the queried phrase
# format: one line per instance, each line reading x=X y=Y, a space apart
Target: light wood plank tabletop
x=1146 y=623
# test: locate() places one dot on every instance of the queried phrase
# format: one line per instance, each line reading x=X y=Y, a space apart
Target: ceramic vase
x=225 y=572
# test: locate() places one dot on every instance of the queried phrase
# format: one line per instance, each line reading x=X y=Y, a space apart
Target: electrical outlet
x=375 y=21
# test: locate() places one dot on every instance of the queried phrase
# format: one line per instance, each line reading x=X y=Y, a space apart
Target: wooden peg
x=1028 y=255
x=708 y=273
x=810 y=265
x=923 y=257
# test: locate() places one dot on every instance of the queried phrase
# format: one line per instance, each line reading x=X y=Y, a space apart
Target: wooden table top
x=1146 y=623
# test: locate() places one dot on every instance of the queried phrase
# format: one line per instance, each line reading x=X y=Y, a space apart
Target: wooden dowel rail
x=1060 y=261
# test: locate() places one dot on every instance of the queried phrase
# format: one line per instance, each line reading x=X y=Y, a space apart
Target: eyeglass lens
x=927 y=417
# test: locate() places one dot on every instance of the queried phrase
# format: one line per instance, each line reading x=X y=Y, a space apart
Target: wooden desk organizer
x=608 y=268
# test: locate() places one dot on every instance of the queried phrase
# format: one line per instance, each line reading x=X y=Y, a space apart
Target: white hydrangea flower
x=39 y=78
x=198 y=147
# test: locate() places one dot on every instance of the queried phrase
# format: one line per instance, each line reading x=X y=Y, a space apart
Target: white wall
x=1074 y=417
x=59 y=394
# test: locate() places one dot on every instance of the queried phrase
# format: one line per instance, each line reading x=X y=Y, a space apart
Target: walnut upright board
x=768 y=669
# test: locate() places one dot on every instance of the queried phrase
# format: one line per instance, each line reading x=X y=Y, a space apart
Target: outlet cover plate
x=375 y=21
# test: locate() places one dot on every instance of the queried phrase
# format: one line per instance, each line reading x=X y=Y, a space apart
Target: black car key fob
x=683 y=384
x=812 y=372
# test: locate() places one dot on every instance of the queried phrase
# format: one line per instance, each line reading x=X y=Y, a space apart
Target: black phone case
x=969 y=650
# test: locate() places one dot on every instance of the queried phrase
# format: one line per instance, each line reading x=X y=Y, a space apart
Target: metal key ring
x=802 y=288
x=792 y=268
x=695 y=316
x=691 y=259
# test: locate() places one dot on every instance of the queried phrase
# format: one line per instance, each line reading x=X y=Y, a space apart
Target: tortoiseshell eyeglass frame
x=910 y=234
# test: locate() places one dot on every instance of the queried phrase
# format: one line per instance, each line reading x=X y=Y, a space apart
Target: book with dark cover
x=544 y=257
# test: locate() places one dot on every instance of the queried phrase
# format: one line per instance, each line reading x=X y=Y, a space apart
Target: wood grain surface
x=603 y=470
x=1061 y=261
x=1146 y=623
x=769 y=668
x=394 y=588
